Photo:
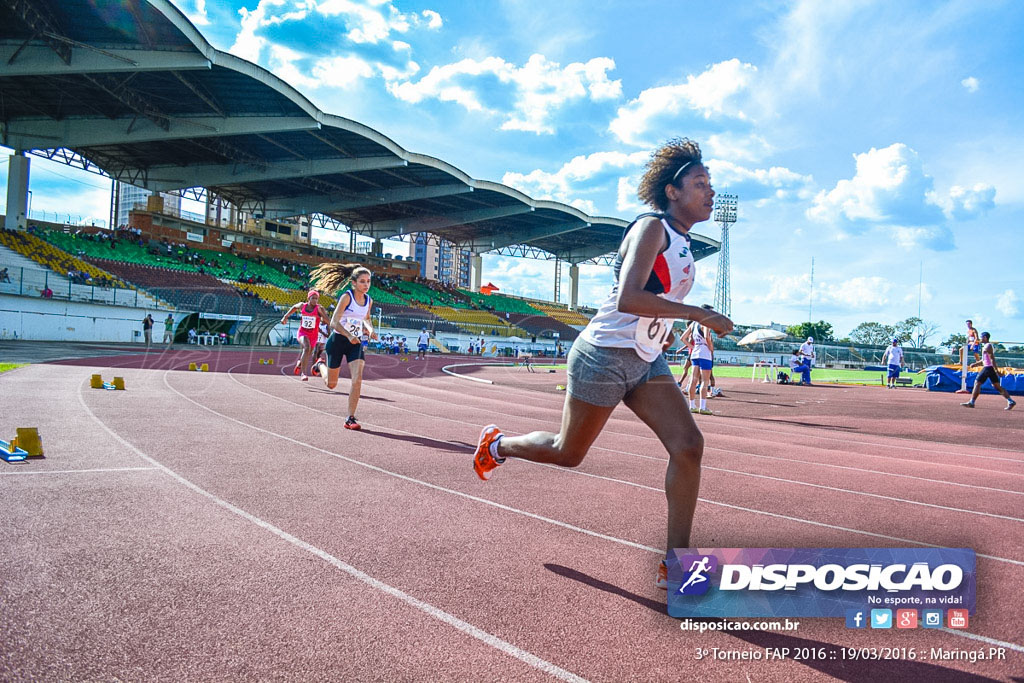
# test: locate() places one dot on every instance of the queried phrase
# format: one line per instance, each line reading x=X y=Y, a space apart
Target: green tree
x=821 y=331
x=915 y=331
x=873 y=333
x=955 y=341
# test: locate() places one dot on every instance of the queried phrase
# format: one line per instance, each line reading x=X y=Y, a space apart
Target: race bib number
x=651 y=333
x=354 y=327
x=308 y=322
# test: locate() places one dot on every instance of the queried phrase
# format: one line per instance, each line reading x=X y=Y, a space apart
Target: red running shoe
x=351 y=423
x=483 y=462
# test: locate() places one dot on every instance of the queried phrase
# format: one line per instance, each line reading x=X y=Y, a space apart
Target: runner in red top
x=311 y=313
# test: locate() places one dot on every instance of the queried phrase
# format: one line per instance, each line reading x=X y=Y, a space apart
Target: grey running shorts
x=603 y=376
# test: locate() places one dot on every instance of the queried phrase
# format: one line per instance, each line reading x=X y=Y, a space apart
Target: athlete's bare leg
x=356 y=370
x=581 y=423
x=662 y=407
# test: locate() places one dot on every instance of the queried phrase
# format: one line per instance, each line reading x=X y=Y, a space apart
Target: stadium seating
x=191 y=291
x=498 y=302
x=541 y=325
x=218 y=263
x=397 y=315
x=55 y=259
x=415 y=293
x=563 y=314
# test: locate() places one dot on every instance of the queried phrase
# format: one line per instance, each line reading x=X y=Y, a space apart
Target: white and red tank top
x=671 y=278
x=310 y=323
x=700 y=349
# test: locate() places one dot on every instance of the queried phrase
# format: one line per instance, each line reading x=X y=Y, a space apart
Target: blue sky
x=882 y=139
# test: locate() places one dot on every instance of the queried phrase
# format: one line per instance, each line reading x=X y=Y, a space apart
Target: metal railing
x=36 y=282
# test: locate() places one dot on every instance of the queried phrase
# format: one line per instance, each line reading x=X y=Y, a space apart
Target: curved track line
x=534 y=395
x=439 y=614
x=560 y=469
x=752 y=474
x=759 y=429
x=723 y=450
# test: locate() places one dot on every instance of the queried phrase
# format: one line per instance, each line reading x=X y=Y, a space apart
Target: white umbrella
x=761 y=336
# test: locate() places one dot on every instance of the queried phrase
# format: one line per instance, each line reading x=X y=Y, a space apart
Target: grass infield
x=4 y=367
x=822 y=375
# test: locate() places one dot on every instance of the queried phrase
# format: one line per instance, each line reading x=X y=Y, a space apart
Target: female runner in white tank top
x=351 y=320
x=618 y=357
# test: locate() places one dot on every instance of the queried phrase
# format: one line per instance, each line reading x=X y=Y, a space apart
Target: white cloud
x=433 y=18
x=912 y=294
x=970 y=84
x=859 y=293
x=197 y=15
x=1007 y=303
x=739 y=148
x=538 y=88
x=644 y=120
x=565 y=183
x=970 y=203
x=891 y=190
x=346 y=62
x=781 y=183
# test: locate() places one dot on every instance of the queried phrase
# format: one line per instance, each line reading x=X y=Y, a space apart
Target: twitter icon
x=881 y=618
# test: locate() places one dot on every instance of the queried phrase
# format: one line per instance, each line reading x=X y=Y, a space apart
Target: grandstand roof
x=135 y=89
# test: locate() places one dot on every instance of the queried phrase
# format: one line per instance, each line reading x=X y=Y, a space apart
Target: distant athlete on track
x=311 y=313
x=351 y=320
x=619 y=356
x=973 y=345
x=989 y=372
x=702 y=356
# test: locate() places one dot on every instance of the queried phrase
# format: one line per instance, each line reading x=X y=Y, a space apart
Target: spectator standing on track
x=798 y=365
x=619 y=356
x=702 y=357
x=4 y=277
x=807 y=353
x=893 y=356
x=421 y=344
x=351 y=320
x=311 y=313
x=169 y=329
x=147 y=329
x=989 y=372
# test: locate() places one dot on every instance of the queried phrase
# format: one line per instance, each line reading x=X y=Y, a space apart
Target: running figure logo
x=695 y=573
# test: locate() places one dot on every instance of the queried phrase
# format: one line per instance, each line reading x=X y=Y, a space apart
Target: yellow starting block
x=192 y=367
x=96 y=382
x=26 y=444
x=266 y=361
x=204 y=368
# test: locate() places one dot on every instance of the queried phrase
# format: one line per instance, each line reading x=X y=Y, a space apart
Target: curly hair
x=330 y=277
x=678 y=154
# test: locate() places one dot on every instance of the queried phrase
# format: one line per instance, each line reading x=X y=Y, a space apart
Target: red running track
x=223 y=525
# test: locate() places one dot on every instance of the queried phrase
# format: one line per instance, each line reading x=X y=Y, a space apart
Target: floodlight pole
x=725 y=216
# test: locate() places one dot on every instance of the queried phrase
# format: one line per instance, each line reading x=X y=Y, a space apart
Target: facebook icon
x=856 y=618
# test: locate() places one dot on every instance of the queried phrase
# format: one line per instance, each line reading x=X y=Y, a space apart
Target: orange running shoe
x=298 y=369
x=662 y=580
x=483 y=462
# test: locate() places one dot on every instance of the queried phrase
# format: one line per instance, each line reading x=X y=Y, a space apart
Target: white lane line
x=105 y=469
x=886 y=458
x=797 y=433
x=575 y=471
x=985 y=639
x=449 y=619
x=560 y=469
x=722 y=450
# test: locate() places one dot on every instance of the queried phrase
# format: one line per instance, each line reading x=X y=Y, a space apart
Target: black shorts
x=988 y=373
x=339 y=347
